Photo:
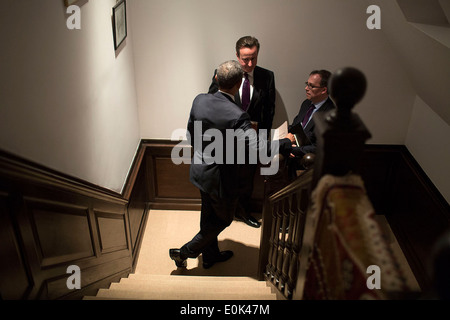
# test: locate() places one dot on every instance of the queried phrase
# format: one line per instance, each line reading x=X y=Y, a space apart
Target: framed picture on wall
x=120 y=23
x=68 y=3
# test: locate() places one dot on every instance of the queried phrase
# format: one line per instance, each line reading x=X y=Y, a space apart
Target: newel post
x=341 y=135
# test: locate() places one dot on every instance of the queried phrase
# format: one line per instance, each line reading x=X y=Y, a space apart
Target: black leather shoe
x=223 y=256
x=175 y=255
x=250 y=220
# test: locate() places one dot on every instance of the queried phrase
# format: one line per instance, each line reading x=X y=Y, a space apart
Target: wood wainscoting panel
x=14 y=279
x=111 y=231
x=172 y=181
x=401 y=191
x=62 y=232
x=168 y=184
x=419 y=215
x=138 y=211
x=50 y=221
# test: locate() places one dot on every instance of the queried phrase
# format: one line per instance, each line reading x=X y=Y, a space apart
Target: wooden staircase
x=175 y=287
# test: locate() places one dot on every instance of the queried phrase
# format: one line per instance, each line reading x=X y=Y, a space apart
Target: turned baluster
x=270 y=269
x=280 y=241
x=291 y=229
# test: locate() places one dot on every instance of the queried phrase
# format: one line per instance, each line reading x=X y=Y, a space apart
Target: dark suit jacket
x=262 y=105
x=218 y=113
x=309 y=130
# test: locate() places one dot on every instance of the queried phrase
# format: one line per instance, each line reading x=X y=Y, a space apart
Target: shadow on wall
x=280 y=112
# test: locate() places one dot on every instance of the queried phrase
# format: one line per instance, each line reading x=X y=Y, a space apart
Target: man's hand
x=291 y=137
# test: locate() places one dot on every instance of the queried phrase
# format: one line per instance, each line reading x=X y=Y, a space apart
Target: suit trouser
x=216 y=215
x=247 y=176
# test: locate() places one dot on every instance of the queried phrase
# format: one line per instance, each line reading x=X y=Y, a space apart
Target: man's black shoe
x=223 y=256
x=175 y=255
x=250 y=220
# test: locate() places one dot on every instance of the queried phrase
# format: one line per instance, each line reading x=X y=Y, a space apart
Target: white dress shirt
x=251 y=80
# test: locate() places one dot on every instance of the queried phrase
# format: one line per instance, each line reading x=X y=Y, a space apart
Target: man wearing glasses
x=317 y=101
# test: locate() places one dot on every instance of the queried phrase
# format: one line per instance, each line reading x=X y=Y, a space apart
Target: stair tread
x=202 y=286
x=199 y=282
x=179 y=287
x=143 y=276
x=174 y=295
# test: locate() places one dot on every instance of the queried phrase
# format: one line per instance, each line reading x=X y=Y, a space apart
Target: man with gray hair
x=211 y=117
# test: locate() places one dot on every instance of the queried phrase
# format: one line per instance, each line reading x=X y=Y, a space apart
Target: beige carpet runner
x=167 y=287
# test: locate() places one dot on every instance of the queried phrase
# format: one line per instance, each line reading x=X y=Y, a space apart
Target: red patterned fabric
x=347 y=241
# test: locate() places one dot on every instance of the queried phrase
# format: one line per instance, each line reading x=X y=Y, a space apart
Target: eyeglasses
x=310 y=86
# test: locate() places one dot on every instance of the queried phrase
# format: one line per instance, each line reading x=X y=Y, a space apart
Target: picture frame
x=120 y=30
x=68 y=3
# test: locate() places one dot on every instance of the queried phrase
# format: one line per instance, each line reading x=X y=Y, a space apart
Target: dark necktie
x=308 y=115
x=246 y=93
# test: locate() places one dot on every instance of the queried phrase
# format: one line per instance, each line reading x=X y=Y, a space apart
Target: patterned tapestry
x=350 y=259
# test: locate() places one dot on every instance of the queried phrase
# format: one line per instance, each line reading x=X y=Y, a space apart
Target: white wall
x=428 y=140
x=426 y=61
x=425 y=58
x=178 y=44
x=67 y=101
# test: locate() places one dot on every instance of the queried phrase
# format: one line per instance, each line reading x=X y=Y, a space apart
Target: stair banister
x=341 y=136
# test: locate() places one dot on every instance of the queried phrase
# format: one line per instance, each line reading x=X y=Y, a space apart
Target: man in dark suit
x=317 y=101
x=256 y=96
x=211 y=119
x=261 y=106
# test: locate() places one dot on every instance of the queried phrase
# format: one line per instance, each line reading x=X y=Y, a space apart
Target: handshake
x=291 y=137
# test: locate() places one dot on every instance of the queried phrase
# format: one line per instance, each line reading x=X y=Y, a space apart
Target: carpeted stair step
x=152 y=277
x=158 y=287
